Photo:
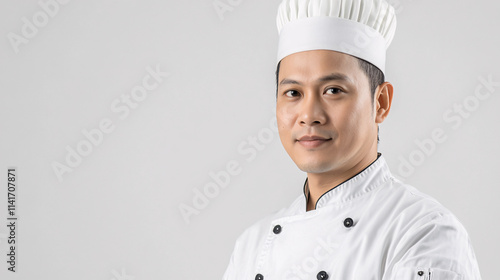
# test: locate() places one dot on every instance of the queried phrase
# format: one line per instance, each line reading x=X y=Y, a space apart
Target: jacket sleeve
x=436 y=248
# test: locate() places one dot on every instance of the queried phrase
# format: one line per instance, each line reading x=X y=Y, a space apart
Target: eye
x=290 y=93
x=334 y=90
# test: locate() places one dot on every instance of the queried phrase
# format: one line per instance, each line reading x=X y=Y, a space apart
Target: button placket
x=264 y=254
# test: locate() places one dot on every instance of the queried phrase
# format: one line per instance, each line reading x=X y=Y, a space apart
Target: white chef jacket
x=371 y=226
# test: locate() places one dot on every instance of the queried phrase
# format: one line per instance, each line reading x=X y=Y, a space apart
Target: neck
x=320 y=183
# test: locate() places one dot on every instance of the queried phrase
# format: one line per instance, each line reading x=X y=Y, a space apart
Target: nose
x=312 y=111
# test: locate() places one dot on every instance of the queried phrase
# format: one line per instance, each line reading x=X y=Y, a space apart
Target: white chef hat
x=361 y=28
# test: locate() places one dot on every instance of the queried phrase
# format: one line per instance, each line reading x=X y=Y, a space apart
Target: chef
x=354 y=220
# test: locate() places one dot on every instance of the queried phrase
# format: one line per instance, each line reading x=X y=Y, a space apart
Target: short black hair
x=375 y=77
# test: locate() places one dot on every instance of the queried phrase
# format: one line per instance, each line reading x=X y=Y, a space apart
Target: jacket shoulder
x=425 y=236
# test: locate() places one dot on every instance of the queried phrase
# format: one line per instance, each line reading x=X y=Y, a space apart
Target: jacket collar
x=363 y=182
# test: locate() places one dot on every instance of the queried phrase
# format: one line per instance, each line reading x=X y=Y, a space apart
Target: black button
x=277 y=229
x=348 y=222
x=420 y=273
x=259 y=277
x=322 y=275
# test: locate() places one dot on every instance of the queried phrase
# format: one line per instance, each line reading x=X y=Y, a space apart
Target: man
x=355 y=220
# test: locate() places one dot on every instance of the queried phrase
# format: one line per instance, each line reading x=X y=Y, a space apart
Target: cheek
x=354 y=120
x=285 y=120
x=284 y=132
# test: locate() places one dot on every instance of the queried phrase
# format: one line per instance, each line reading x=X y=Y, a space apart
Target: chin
x=314 y=166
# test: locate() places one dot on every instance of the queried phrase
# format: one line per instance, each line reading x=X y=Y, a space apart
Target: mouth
x=312 y=141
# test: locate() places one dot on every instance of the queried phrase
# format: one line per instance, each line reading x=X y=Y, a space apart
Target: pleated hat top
x=361 y=28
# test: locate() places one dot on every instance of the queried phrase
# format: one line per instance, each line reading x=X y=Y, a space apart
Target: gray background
x=116 y=215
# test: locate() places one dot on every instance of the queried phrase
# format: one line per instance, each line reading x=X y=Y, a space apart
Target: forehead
x=310 y=65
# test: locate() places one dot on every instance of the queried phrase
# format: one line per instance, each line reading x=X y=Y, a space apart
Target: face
x=327 y=120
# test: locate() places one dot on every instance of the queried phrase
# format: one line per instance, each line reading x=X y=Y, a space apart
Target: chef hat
x=361 y=28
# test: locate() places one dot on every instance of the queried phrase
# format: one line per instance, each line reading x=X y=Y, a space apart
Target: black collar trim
x=306 y=195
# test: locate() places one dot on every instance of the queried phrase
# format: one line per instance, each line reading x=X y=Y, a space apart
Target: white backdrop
x=117 y=114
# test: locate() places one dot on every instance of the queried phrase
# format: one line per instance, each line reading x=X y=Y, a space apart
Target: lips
x=312 y=141
x=312 y=138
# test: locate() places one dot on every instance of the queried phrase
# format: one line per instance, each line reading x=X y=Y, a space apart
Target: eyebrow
x=327 y=78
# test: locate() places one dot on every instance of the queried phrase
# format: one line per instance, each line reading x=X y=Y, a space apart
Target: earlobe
x=383 y=100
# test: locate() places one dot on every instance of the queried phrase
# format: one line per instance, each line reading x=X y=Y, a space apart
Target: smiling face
x=326 y=95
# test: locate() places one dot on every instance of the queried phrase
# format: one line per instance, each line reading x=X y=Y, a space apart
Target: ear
x=383 y=101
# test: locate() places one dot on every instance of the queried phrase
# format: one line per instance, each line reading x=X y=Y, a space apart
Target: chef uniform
x=372 y=226
x=369 y=227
